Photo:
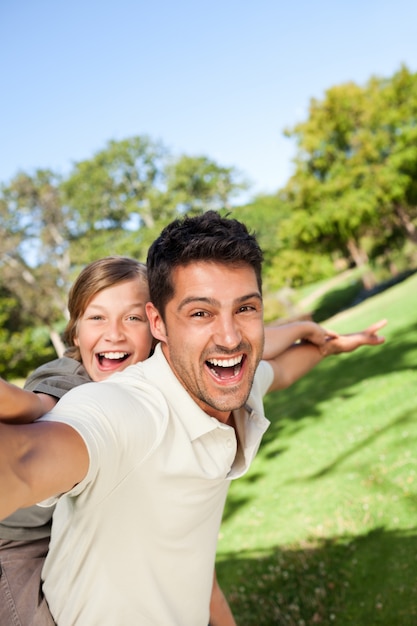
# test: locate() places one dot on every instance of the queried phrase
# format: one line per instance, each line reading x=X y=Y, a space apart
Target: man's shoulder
x=263 y=377
x=117 y=390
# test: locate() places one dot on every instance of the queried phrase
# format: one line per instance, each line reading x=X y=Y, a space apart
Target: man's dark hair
x=207 y=237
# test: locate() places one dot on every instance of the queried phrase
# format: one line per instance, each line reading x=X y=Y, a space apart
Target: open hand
x=335 y=344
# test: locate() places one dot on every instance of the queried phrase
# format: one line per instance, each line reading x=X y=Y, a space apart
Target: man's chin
x=227 y=404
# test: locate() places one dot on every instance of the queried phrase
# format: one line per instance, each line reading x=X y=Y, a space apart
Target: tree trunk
x=57 y=342
x=406 y=223
x=358 y=255
x=360 y=258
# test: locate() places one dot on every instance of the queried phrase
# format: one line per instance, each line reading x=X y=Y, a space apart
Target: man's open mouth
x=226 y=368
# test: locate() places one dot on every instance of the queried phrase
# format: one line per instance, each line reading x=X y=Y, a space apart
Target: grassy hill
x=323 y=529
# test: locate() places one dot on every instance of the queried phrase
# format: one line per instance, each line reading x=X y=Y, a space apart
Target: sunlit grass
x=323 y=529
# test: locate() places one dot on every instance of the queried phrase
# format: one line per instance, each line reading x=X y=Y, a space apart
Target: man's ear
x=156 y=322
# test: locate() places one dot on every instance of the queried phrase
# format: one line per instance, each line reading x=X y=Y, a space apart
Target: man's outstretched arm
x=38 y=461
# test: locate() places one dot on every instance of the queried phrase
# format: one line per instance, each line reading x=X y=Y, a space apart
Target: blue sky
x=220 y=78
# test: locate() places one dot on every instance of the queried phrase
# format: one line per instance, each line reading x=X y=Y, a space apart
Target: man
x=144 y=461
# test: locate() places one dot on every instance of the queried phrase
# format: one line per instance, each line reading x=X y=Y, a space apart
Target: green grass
x=323 y=529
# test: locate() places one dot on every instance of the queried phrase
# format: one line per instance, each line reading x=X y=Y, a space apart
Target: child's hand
x=317 y=335
x=335 y=344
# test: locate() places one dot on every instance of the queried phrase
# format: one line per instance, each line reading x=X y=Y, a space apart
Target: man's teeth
x=113 y=355
x=226 y=362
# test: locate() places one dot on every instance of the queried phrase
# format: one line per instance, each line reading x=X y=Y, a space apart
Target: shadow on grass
x=351 y=294
x=367 y=580
x=337 y=300
x=402 y=421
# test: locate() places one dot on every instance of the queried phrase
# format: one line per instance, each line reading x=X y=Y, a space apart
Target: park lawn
x=323 y=528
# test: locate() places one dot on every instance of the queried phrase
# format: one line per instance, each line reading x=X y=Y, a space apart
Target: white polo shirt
x=134 y=543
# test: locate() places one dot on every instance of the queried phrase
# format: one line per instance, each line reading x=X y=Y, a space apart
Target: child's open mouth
x=111 y=359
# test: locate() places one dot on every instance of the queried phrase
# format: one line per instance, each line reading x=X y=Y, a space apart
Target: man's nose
x=227 y=333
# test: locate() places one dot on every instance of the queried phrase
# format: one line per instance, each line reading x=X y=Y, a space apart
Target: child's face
x=114 y=331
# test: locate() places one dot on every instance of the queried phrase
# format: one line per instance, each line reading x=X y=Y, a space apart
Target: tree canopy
x=356 y=168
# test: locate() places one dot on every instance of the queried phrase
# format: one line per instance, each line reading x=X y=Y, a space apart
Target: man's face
x=213 y=333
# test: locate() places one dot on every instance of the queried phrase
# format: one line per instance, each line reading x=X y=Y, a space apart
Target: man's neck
x=231 y=420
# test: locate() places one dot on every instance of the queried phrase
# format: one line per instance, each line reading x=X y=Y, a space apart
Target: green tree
x=197 y=184
x=115 y=196
x=23 y=346
x=122 y=197
x=286 y=266
x=34 y=257
x=356 y=169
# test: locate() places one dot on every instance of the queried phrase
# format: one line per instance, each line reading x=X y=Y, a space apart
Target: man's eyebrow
x=249 y=296
x=195 y=300
x=214 y=302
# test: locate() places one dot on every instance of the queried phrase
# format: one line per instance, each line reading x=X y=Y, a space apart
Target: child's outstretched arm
x=300 y=358
x=280 y=338
x=21 y=406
